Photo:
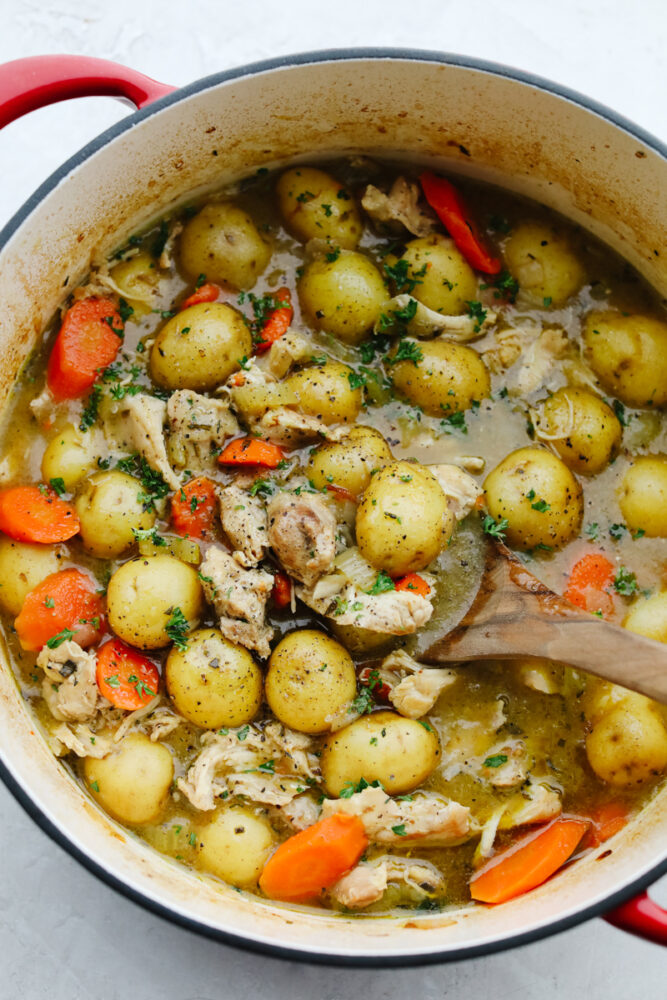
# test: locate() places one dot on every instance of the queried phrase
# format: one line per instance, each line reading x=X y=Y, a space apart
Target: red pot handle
x=27 y=84
x=641 y=916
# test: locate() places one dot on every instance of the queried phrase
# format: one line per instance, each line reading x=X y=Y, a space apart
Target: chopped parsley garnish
x=155 y=487
x=89 y=414
x=333 y=255
x=617 y=531
x=349 y=788
x=592 y=530
x=383 y=583
x=60 y=638
x=160 y=240
x=58 y=485
x=125 y=310
x=541 y=505
x=49 y=602
x=243 y=732
x=496 y=760
x=149 y=535
x=625 y=583
x=408 y=350
x=177 y=628
x=477 y=312
x=357 y=380
x=113 y=681
x=398 y=273
x=399 y=830
x=364 y=703
x=95 y=786
x=506 y=287
x=456 y=421
x=619 y=410
x=496 y=529
x=262 y=487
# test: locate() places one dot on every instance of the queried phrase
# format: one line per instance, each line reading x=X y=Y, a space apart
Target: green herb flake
x=57 y=640
x=496 y=529
x=496 y=760
x=383 y=583
x=407 y=350
x=177 y=628
x=477 y=312
x=625 y=583
x=399 y=830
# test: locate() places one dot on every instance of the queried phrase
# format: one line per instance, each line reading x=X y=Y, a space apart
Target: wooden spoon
x=515 y=615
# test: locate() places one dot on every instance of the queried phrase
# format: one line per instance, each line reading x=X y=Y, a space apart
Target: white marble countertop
x=64 y=935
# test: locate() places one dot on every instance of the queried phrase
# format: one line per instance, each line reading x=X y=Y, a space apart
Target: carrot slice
x=448 y=204
x=314 y=859
x=606 y=820
x=193 y=508
x=63 y=606
x=588 y=584
x=278 y=322
x=205 y=293
x=528 y=863
x=414 y=584
x=282 y=589
x=36 y=514
x=252 y=451
x=89 y=338
x=126 y=678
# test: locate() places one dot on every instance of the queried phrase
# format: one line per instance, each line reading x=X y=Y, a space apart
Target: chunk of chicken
x=426 y=323
x=534 y=804
x=538 y=360
x=79 y=739
x=302 y=534
x=427 y=820
x=513 y=771
x=288 y=350
x=293 y=430
x=416 y=695
x=239 y=597
x=397 y=612
x=245 y=523
x=69 y=686
x=138 y=425
x=400 y=206
x=367 y=882
x=199 y=427
x=460 y=489
x=300 y=813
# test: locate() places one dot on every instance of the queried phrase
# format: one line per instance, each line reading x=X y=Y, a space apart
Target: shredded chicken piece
x=292 y=429
x=139 y=426
x=199 y=427
x=510 y=345
x=162 y=723
x=300 y=813
x=539 y=358
x=469 y=463
x=400 y=206
x=534 y=804
x=43 y=404
x=69 y=686
x=78 y=739
x=427 y=322
x=397 y=612
x=302 y=534
x=288 y=350
x=460 y=489
x=239 y=597
x=515 y=769
x=416 y=695
x=245 y=523
x=428 y=819
x=547 y=678
x=367 y=882
x=166 y=257
x=140 y=713
x=466 y=741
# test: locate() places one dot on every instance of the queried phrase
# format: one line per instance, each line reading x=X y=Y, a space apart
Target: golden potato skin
x=591 y=431
x=444 y=281
x=137 y=276
x=235 y=845
x=629 y=356
x=529 y=477
x=22 y=567
x=399 y=753
x=403 y=521
x=69 y=455
x=142 y=595
x=213 y=683
x=223 y=243
x=642 y=496
x=109 y=508
x=200 y=347
x=132 y=783
x=648 y=616
x=343 y=297
x=315 y=206
x=447 y=378
x=310 y=678
x=349 y=463
x=628 y=745
x=544 y=264
x=324 y=391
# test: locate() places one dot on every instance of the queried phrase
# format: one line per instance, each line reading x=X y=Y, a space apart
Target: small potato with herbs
x=399 y=753
x=110 y=510
x=628 y=745
x=200 y=347
x=22 y=567
x=223 y=243
x=343 y=296
x=311 y=677
x=213 y=683
x=315 y=206
x=69 y=455
x=133 y=781
x=642 y=496
x=648 y=616
x=629 y=356
x=137 y=278
x=349 y=463
x=325 y=391
x=539 y=497
x=403 y=521
x=582 y=428
x=544 y=263
x=148 y=594
x=435 y=273
x=441 y=377
x=235 y=845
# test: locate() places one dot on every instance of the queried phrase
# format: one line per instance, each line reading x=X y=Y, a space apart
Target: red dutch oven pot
x=457 y=114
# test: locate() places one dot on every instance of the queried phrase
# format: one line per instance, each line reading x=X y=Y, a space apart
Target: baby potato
x=647 y=616
x=628 y=745
x=443 y=280
x=343 y=297
x=109 y=508
x=349 y=463
x=69 y=455
x=22 y=567
x=310 y=678
x=584 y=431
x=315 y=206
x=235 y=845
x=629 y=356
x=447 y=378
x=399 y=753
x=213 y=683
x=200 y=347
x=137 y=278
x=144 y=595
x=544 y=263
x=133 y=781
x=324 y=391
x=224 y=243
x=361 y=641
x=403 y=520
x=642 y=496
x=538 y=495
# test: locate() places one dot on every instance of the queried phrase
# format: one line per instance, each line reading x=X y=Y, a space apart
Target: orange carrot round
x=89 y=338
x=606 y=820
x=414 y=584
x=125 y=677
x=278 y=322
x=589 y=583
x=36 y=514
x=63 y=606
x=314 y=859
x=528 y=863
x=193 y=508
x=252 y=451
x=205 y=293
x=282 y=590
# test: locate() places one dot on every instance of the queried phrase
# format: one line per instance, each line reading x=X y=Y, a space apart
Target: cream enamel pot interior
x=458 y=115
